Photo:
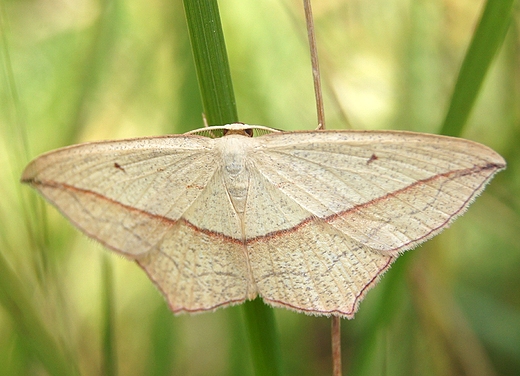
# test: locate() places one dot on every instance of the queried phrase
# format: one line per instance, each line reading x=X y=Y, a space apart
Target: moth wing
x=132 y=195
x=345 y=203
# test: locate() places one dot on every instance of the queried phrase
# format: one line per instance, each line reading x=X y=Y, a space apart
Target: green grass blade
x=108 y=335
x=211 y=62
x=26 y=319
x=218 y=100
x=263 y=338
x=489 y=35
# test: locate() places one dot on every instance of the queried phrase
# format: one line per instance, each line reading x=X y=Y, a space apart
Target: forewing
x=388 y=190
x=114 y=191
x=131 y=196
x=344 y=204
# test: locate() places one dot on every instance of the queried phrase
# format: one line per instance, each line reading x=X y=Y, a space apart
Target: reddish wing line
x=456 y=173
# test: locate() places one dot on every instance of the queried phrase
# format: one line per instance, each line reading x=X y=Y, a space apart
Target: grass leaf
x=488 y=37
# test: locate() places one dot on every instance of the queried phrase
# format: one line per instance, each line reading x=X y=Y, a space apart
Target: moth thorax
x=236 y=175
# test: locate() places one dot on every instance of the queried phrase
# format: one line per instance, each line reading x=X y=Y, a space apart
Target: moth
x=307 y=220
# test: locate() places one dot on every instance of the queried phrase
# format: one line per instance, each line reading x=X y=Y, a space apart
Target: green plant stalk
x=211 y=62
x=209 y=53
x=108 y=330
x=488 y=37
x=263 y=338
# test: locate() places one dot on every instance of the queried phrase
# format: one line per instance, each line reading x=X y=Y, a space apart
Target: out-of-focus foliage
x=79 y=71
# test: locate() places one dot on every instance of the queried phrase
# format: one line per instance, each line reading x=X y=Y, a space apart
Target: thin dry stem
x=336 y=345
x=315 y=65
x=335 y=329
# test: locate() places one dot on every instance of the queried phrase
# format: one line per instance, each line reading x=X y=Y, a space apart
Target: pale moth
x=307 y=220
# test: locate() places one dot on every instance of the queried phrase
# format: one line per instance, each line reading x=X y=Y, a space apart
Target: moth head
x=240 y=129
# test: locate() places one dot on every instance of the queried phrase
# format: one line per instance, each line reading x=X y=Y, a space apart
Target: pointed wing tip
x=497 y=160
x=501 y=165
x=494 y=166
x=494 y=160
x=28 y=174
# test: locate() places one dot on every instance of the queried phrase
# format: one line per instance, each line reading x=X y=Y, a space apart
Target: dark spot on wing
x=118 y=166
x=372 y=158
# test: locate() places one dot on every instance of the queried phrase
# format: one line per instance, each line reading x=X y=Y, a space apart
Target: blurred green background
x=80 y=71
